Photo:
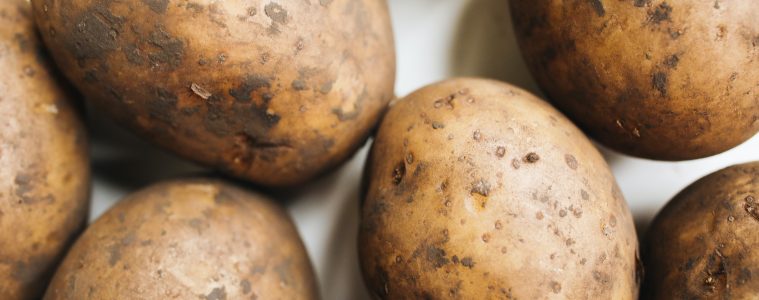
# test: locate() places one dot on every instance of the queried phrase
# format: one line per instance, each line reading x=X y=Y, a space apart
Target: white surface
x=435 y=39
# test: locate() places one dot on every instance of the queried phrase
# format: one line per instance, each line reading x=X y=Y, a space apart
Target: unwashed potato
x=44 y=167
x=479 y=190
x=667 y=80
x=188 y=239
x=703 y=244
x=275 y=92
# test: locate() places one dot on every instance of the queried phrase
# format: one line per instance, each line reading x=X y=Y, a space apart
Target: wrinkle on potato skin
x=278 y=72
x=459 y=220
x=44 y=166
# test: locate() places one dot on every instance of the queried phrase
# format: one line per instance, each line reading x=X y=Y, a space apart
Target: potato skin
x=702 y=245
x=188 y=239
x=666 y=80
x=44 y=165
x=275 y=92
x=479 y=190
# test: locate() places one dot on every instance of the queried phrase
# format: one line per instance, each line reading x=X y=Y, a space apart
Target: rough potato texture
x=479 y=190
x=188 y=239
x=667 y=80
x=703 y=244
x=44 y=167
x=274 y=92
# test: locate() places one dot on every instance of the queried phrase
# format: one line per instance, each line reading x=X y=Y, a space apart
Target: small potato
x=666 y=80
x=479 y=190
x=703 y=244
x=44 y=165
x=188 y=239
x=271 y=91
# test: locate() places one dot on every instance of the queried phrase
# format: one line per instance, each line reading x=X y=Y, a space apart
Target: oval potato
x=667 y=80
x=479 y=190
x=44 y=165
x=703 y=244
x=274 y=92
x=188 y=239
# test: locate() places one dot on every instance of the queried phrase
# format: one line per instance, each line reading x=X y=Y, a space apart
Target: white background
x=435 y=39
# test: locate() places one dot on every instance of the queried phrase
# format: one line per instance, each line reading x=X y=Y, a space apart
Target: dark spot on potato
x=169 y=50
x=584 y=195
x=498 y=225
x=251 y=84
x=532 y=157
x=467 y=262
x=437 y=125
x=30 y=270
x=96 y=33
x=162 y=105
x=601 y=277
x=436 y=256
x=477 y=136
x=158 y=6
x=500 y=152
x=326 y=87
x=398 y=172
x=660 y=14
x=752 y=208
x=217 y=294
x=642 y=3
x=555 y=287
x=571 y=161
x=562 y=213
x=325 y=3
x=485 y=237
x=480 y=187
x=515 y=164
x=133 y=54
x=570 y=242
x=659 y=81
x=299 y=85
x=245 y=286
x=598 y=6
x=539 y=215
x=672 y=61
x=276 y=13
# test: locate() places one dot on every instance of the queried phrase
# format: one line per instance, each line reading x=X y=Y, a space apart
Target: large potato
x=44 y=167
x=668 y=80
x=188 y=239
x=274 y=92
x=703 y=244
x=479 y=190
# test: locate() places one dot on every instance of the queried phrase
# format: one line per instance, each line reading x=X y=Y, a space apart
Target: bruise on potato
x=702 y=245
x=275 y=92
x=44 y=167
x=507 y=200
x=668 y=80
x=188 y=239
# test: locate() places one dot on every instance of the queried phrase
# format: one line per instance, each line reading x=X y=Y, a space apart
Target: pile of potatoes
x=473 y=189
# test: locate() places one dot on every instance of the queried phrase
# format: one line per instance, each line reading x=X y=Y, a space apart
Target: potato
x=479 y=190
x=702 y=245
x=44 y=166
x=188 y=239
x=666 y=80
x=275 y=92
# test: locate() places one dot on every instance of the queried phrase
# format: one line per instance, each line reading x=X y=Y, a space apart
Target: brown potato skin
x=188 y=239
x=44 y=164
x=492 y=195
x=665 y=80
x=274 y=92
x=703 y=244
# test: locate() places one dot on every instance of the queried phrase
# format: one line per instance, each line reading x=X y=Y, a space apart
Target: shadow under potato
x=485 y=45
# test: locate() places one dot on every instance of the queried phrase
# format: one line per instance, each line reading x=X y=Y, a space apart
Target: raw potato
x=188 y=239
x=703 y=244
x=275 y=92
x=44 y=167
x=667 y=80
x=479 y=190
